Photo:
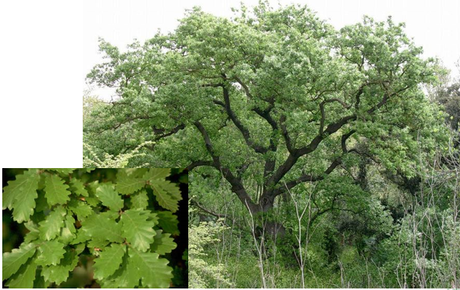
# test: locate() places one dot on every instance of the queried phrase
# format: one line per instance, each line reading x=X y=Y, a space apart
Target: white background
x=47 y=48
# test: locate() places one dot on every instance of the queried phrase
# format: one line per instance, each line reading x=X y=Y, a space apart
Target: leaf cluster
x=123 y=219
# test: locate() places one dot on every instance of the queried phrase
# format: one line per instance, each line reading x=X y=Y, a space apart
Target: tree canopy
x=270 y=99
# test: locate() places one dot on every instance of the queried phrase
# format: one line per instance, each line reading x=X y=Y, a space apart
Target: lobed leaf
x=163 y=243
x=12 y=190
x=109 y=261
x=59 y=273
x=137 y=229
x=168 y=222
x=155 y=174
x=109 y=197
x=20 y=195
x=25 y=277
x=128 y=184
x=33 y=233
x=16 y=258
x=102 y=227
x=51 y=226
x=68 y=231
x=140 y=200
x=55 y=190
x=127 y=276
x=154 y=271
x=80 y=208
x=167 y=194
x=50 y=253
x=78 y=187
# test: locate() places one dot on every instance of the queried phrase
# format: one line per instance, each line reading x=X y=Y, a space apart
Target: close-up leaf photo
x=110 y=228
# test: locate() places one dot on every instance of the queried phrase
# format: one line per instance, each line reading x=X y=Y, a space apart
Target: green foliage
x=83 y=217
x=203 y=274
x=91 y=159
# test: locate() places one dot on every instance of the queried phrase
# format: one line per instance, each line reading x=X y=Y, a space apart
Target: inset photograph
x=93 y=228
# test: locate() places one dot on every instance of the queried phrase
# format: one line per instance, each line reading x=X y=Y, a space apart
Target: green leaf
x=154 y=271
x=109 y=197
x=55 y=190
x=109 y=261
x=167 y=194
x=168 y=222
x=50 y=253
x=80 y=248
x=20 y=195
x=25 y=203
x=155 y=174
x=60 y=273
x=127 y=276
x=25 y=277
x=68 y=231
x=16 y=258
x=33 y=233
x=163 y=243
x=127 y=184
x=80 y=208
x=51 y=226
x=78 y=187
x=12 y=190
x=137 y=229
x=81 y=237
x=102 y=227
x=140 y=200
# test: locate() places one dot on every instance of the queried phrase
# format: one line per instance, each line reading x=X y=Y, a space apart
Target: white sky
x=48 y=46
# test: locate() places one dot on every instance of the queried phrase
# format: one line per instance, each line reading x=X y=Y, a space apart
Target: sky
x=48 y=47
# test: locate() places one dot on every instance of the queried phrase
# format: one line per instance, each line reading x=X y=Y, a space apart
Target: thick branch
x=244 y=131
x=217 y=102
x=266 y=115
x=235 y=182
x=199 y=163
x=171 y=132
x=344 y=141
x=382 y=102
x=130 y=119
x=306 y=177
x=331 y=129
x=285 y=134
x=323 y=114
x=297 y=153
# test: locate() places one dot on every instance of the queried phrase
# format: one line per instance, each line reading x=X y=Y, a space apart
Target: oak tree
x=271 y=100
